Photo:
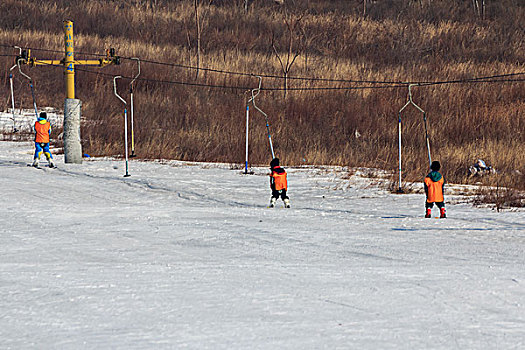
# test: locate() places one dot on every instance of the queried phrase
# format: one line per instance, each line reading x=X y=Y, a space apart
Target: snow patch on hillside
x=23 y=120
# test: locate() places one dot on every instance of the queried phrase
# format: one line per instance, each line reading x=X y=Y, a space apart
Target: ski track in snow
x=187 y=255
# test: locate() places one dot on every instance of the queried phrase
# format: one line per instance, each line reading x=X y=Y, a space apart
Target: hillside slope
x=189 y=114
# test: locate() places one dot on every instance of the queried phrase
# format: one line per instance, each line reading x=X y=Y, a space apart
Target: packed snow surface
x=187 y=255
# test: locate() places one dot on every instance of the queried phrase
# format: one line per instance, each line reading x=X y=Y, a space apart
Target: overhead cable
x=271 y=76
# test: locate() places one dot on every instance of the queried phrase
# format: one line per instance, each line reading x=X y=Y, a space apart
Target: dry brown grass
x=396 y=40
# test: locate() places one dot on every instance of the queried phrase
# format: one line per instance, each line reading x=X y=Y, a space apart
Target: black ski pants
x=431 y=205
x=281 y=193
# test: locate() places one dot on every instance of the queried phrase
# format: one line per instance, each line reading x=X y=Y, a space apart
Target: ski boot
x=272 y=202
x=51 y=164
x=35 y=163
x=429 y=213
x=443 y=213
x=286 y=203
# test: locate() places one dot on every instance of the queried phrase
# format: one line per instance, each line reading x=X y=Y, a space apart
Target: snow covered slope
x=186 y=255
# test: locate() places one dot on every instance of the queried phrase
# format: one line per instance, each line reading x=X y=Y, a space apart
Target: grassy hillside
x=393 y=40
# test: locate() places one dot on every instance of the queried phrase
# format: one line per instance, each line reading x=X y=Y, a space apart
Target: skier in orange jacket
x=278 y=184
x=434 y=189
x=43 y=130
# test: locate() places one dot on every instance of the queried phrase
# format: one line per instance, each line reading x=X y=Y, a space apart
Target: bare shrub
x=500 y=197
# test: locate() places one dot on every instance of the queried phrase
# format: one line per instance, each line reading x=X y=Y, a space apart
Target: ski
x=41 y=168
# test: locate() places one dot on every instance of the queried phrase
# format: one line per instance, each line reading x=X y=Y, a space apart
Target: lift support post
x=72 y=106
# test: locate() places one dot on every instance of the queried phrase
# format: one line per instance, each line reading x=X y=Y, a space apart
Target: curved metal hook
x=258 y=89
x=410 y=101
x=20 y=70
x=115 y=89
x=19 y=53
x=252 y=100
x=136 y=76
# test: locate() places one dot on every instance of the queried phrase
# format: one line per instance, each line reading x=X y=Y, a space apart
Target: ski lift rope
x=388 y=84
x=487 y=79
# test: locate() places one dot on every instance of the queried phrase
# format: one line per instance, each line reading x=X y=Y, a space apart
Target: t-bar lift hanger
x=411 y=102
x=131 y=108
x=125 y=121
x=23 y=58
x=252 y=100
x=12 y=90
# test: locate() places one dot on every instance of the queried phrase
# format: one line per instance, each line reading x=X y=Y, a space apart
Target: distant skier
x=278 y=184
x=434 y=188
x=43 y=130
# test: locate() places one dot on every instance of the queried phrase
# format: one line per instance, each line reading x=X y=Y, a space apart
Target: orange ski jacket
x=42 y=129
x=278 y=179
x=434 y=184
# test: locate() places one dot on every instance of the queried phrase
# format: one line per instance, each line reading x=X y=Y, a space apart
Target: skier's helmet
x=274 y=163
x=435 y=166
x=43 y=115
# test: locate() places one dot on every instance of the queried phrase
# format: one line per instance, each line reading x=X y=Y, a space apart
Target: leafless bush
x=500 y=197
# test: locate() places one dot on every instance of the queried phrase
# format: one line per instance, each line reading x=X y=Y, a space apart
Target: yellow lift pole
x=69 y=61
x=72 y=146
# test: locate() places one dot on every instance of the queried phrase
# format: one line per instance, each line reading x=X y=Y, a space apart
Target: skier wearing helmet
x=278 y=184
x=434 y=188
x=42 y=129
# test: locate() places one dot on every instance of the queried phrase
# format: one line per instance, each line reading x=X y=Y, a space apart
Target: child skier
x=434 y=188
x=43 y=130
x=278 y=184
